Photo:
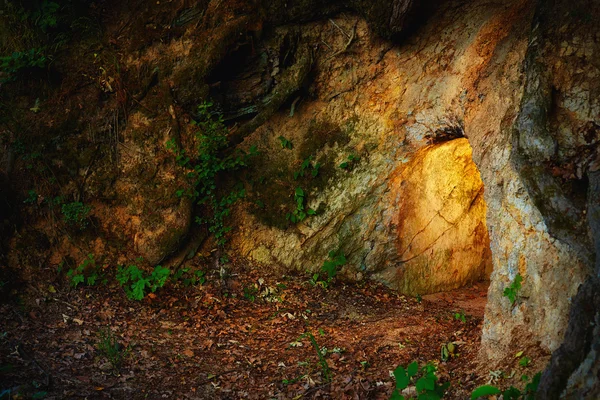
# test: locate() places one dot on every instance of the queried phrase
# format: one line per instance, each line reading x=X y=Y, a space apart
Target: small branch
x=348 y=43
x=337 y=26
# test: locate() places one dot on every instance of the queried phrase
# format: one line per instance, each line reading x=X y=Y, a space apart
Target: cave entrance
x=443 y=240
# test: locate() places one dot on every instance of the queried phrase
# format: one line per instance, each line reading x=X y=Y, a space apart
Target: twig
x=337 y=26
x=350 y=39
x=64 y=302
x=328 y=46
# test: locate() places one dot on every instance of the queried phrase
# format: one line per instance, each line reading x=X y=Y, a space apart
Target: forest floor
x=251 y=336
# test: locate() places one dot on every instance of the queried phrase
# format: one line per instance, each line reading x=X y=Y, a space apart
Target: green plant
x=76 y=214
x=19 y=61
x=511 y=393
x=45 y=15
x=524 y=361
x=206 y=169
x=189 y=277
x=329 y=269
x=87 y=272
x=135 y=283
x=301 y=212
x=285 y=144
x=250 y=293
x=350 y=162
x=32 y=197
x=512 y=291
x=307 y=164
x=110 y=348
x=448 y=350
x=460 y=316
x=325 y=371
x=426 y=381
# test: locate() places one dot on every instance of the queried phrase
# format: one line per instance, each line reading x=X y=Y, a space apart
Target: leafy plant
x=19 y=61
x=87 y=272
x=301 y=212
x=460 y=316
x=306 y=165
x=189 y=277
x=325 y=371
x=205 y=171
x=45 y=16
x=512 y=291
x=32 y=197
x=448 y=350
x=250 y=293
x=76 y=214
x=285 y=144
x=136 y=284
x=426 y=381
x=511 y=393
x=350 y=161
x=110 y=348
x=524 y=361
x=329 y=269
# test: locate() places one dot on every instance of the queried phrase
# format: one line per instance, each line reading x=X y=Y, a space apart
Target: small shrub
x=109 y=347
x=512 y=291
x=329 y=269
x=136 y=284
x=301 y=212
x=285 y=144
x=426 y=381
x=350 y=162
x=460 y=316
x=87 y=273
x=19 y=61
x=206 y=170
x=32 y=197
x=511 y=393
x=76 y=214
x=524 y=361
x=189 y=277
x=250 y=293
x=321 y=352
x=305 y=166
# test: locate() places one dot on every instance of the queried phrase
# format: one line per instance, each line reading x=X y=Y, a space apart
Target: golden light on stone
x=442 y=235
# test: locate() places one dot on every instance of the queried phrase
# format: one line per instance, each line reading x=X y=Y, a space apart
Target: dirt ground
x=243 y=337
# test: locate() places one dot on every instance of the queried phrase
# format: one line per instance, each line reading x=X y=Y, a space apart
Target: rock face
x=387 y=105
x=462 y=72
x=440 y=222
x=469 y=146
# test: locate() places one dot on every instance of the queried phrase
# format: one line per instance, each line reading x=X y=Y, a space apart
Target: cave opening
x=443 y=240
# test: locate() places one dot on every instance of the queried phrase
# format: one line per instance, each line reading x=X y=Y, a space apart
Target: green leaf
x=524 y=361
x=425 y=383
x=512 y=393
x=429 y=396
x=485 y=390
x=76 y=280
x=137 y=289
x=299 y=192
x=396 y=395
x=413 y=368
x=402 y=378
